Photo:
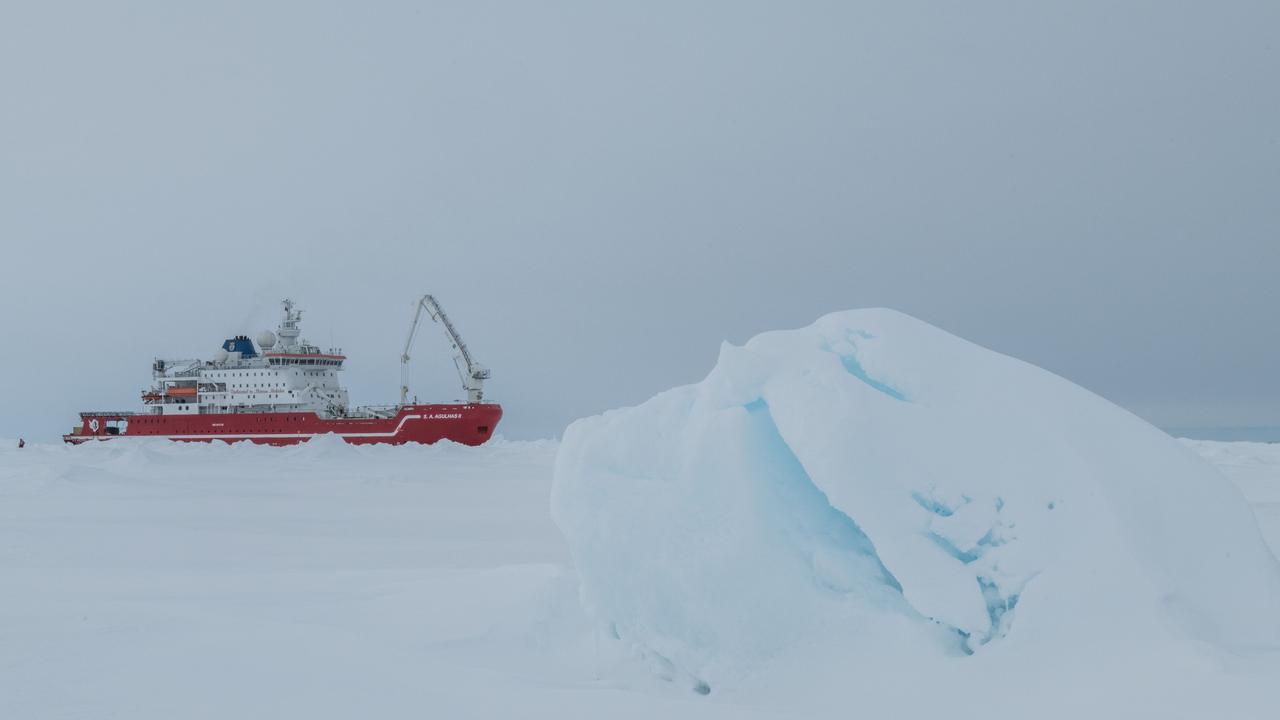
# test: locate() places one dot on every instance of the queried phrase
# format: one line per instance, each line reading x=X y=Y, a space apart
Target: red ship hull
x=466 y=424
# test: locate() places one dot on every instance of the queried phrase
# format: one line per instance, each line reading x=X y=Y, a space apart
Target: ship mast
x=288 y=330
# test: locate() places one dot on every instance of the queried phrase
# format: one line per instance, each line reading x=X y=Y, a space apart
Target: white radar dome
x=220 y=356
x=266 y=339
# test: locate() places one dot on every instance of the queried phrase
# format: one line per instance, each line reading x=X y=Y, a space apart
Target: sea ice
x=875 y=482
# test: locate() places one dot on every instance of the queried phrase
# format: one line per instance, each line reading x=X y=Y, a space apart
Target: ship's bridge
x=305 y=359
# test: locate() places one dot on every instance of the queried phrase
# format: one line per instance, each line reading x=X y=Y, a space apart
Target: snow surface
x=159 y=581
x=165 y=580
x=873 y=488
x=1255 y=468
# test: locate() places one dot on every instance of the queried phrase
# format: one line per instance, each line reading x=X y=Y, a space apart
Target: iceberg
x=874 y=483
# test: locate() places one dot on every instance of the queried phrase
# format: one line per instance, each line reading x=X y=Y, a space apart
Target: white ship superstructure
x=288 y=374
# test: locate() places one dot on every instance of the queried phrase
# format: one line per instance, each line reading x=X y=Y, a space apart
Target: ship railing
x=180 y=375
x=379 y=411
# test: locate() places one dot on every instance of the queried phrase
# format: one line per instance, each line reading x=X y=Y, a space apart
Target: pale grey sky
x=602 y=192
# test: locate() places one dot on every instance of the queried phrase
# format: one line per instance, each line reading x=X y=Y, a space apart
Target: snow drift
x=874 y=483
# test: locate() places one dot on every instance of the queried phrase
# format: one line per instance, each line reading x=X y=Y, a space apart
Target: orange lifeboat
x=180 y=392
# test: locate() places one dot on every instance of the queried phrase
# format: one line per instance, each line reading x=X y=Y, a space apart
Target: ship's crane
x=473 y=374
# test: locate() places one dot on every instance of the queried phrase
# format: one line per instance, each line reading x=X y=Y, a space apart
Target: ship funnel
x=240 y=344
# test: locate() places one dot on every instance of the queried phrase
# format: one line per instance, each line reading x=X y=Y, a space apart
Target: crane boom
x=472 y=373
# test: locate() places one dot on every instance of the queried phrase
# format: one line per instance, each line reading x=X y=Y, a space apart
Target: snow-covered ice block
x=872 y=479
